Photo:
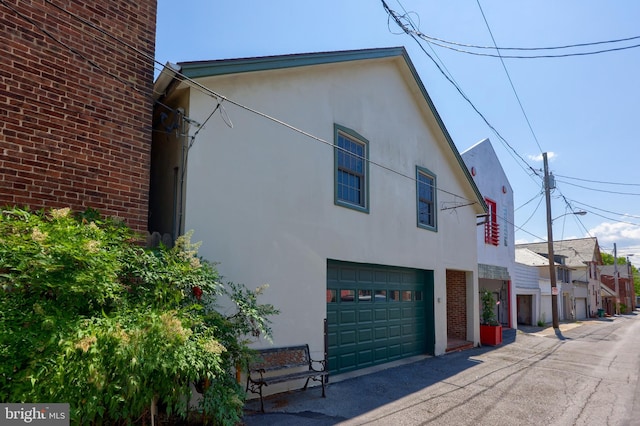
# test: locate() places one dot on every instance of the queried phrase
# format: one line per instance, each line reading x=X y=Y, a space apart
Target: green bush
x=90 y=317
x=488 y=305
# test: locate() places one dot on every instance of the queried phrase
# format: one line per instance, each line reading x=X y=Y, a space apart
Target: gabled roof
x=609 y=270
x=483 y=152
x=576 y=251
x=531 y=258
x=199 y=69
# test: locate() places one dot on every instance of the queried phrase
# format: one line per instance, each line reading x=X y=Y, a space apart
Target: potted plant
x=490 y=328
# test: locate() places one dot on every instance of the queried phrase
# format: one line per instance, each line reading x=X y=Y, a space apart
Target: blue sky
x=581 y=110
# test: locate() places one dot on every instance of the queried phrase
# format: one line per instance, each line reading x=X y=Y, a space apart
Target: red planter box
x=491 y=335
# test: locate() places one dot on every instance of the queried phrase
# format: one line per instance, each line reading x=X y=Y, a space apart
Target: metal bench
x=277 y=365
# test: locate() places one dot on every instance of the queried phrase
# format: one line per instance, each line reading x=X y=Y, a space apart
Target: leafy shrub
x=90 y=317
x=488 y=304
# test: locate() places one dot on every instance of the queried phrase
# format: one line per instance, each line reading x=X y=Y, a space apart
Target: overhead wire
x=415 y=26
x=513 y=88
x=598 y=190
x=606 y=211
x=219 y=97
x=567 y=46
x=434 y=41
x=203 y=89
x=399 y=22
x=598 y=181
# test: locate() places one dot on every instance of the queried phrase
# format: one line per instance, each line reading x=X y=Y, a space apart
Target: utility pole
x=615 y=278
x=548 y=186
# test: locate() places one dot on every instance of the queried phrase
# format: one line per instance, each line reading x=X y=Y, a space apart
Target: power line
x=535 y=210
x=606 y=211
x=547 y=56
x=598 y=181
x=509 y=77
x=598 y=190
x=221 y=98
x=567 y=46
x=397 y=19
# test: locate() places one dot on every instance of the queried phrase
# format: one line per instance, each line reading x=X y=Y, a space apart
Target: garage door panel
x=365 y=316
x=347 y=361
x=408 y=311
x=408 y=329
x=379 y=314
x=348 y=275
x=365 y=335
x=380 y=354
x=394 y=331
x=365 y=276
x=332 y=339
x=348 y=317
x=347 y=337
x=394 y=351
x=365 y=358
x=394 y=313
x=381 y=333
x=380 y=277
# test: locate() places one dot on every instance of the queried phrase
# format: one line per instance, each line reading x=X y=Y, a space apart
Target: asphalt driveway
x=380 y=396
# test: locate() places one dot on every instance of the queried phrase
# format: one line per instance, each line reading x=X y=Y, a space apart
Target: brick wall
x=75 y=115
x=456 y=305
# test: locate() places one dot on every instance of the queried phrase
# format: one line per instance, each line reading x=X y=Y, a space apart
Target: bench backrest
x=280 y=358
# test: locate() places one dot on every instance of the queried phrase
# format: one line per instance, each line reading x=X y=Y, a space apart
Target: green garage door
x=377 y=314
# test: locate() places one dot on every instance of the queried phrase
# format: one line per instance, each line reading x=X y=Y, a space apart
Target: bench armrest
x=322 y=362
x=259 y=371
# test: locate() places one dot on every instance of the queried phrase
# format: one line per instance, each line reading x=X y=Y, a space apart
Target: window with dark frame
x=426 y=198
x=351 y=169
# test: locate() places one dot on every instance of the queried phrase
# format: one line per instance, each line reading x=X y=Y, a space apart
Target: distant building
x=76 y=105
x=579 y=289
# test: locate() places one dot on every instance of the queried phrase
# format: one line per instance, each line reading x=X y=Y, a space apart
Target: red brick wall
x=456 y=304
x=72 y=133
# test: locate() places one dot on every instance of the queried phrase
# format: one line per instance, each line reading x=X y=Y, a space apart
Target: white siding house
x=495 y=237
x=534 y=284
x=581 y=289
x=346 y=221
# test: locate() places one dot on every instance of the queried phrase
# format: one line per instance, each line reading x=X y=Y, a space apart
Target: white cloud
x=626 y=236
x=538 y=158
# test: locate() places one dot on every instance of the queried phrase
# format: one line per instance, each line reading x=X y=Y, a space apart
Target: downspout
x=509 y=299
x=184 y=137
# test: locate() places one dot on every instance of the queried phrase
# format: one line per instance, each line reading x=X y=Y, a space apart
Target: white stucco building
x=367 y=220
x=495 y=237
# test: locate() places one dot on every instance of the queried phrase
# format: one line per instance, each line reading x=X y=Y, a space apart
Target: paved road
x=586 y=375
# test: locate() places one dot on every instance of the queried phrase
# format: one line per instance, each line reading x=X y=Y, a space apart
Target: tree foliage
x=90 y=317
x=608 y=259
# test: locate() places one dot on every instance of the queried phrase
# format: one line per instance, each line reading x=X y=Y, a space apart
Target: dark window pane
x=351 y=170
x=331 y=296
x=347 y=295
x=364 y=295
x=381 y=295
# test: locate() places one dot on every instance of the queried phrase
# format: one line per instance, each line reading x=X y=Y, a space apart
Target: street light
x=578 y=213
